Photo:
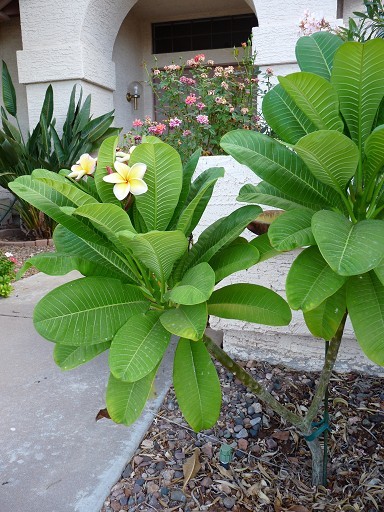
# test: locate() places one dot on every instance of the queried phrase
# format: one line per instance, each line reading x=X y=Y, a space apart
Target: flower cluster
x=126 y=180
x=198 y=102
x=312 y=23
x=7 y=273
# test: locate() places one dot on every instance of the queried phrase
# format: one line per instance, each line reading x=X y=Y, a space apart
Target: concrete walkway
x=54 y=456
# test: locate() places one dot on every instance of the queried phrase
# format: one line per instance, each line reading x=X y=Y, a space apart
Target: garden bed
x=271 y=468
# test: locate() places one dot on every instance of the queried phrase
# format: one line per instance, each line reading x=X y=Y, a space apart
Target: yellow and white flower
x=121 y=156
x=127 y=180
x=86 y=165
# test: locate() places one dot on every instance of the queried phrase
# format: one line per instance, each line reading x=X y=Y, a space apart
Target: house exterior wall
x=10 y=43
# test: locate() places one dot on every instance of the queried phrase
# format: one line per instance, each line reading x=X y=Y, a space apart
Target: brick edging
x=28 y=243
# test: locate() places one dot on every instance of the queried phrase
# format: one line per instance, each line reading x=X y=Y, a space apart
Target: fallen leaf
x=282 y=435
x=191 y=467
x=298 y=508
x=103 y=413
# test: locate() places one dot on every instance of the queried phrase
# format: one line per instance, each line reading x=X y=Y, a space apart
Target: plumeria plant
x=126 y=227
x=197 y=102
x=7 y=273
x=327 y=173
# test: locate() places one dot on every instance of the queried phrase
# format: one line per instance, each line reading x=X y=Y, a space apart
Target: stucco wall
x=10 y=43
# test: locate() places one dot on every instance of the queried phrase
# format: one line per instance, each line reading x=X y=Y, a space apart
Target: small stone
x=377 y=418
x=140 y=482
x=366 y=423
x=178 y=495
x=179 y=455
x=164 y=491
x=160 y=465
x=242 y=444
x=179 y=474
x=115 y=506
x=152 y=487
x=207 y=450
x=181 y=435
x=253 y=432
x=171 y=406
x=153 y=502
x=256 y=450
x=247 y=422
x=137 y=460
x=124 y=500
x=242 y=434
x=136 y=489
x=257 y=407
x=265 y=422
x=227 y=434
x=167 y=474
x=268 y=376
x=237 y=428
x=207 y=481
x=271 y=443
x=238 y=421
x=225 y=488
x=127 y=471
x=255 y=421
x=229 y=503
x=251 y=410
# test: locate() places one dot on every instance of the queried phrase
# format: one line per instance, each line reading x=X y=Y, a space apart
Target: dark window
x=202 y=34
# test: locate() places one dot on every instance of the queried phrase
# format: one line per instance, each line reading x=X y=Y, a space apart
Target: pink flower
x=175 y=122
x=186 y=133
x=269 y=71
x=244 y=45
x=157 y=129
x=211 y=92
x=156 y=72
x=191 y=99
x=172 y=67
x=220 y=100
x=200 y=57
x=200 y=105
x=137 y=122
x=187 y=80
x=211 y=62
x=229 y=70
x=244 y=111
x=224 y=85
x=201 y=119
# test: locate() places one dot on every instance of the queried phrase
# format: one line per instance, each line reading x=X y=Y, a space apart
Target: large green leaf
x=250 y=302
x=284 y=116
x=315 y=53
x=158 y=250
x=47 y=108
x=330 y=156
x=348 y=248
x=266 y=194
x=164 y=179
x=291 y=230
x=374 y=153
x=379 y=271
x=218 y=235
x=199 y=196
x=59 y=264
x=87 y=311
x=280 y=167
x=310 y=280
x=68 y=357
x=316 y=97
x=196 y=384
x=98 y=255
x=64 y=186
x=324 y=320
x=138 y=346
x=365 y=302
x=186 y=321
x=106 y=158
x=126 y=400
x=263 y=245
x=188 y=170
x=109 y=219
x=232 y=259
x=195 y=287
x=358 y=77
x=9 y=94
x=51 y=202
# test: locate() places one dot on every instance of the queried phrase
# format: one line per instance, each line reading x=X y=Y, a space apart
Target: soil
x=271 y=469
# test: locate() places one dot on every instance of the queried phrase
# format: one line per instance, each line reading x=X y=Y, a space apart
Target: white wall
x=10 y=42
x=349 y=7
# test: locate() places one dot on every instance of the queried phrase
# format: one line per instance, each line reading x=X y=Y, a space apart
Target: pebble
x=237 y=428
x=229 y=503
x=179 y=474
x=242 y=444
x=242 y=433
x=257 y=407
x=160 y=465
x=152 y=487
x=207 y=450
x=179 y=455
x=251 y=410
x=207 y=481
x=178 y=495
x=265 y=422
x=127 y=471
x=164 y=491
x=271 y=443
x=255 y=421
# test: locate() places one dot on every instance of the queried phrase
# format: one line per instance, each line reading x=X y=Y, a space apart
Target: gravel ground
x=23 y=252
x=270 y=470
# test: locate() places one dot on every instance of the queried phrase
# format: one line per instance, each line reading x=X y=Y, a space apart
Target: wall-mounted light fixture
x=135 y=89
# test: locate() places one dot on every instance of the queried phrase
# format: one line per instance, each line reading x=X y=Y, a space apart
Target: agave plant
x=44 y=147
x=327 y=173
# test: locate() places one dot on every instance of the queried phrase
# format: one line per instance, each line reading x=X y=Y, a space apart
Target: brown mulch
x=271 y=469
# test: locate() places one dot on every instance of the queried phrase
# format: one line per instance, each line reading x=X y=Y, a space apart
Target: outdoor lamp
x=135 y=89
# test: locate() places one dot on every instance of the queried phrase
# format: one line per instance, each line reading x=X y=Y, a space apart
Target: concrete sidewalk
x=54 y=456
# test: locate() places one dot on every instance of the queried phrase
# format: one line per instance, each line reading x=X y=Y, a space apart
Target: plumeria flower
x=124 y=157
x=127 y=180
x=86 y=165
